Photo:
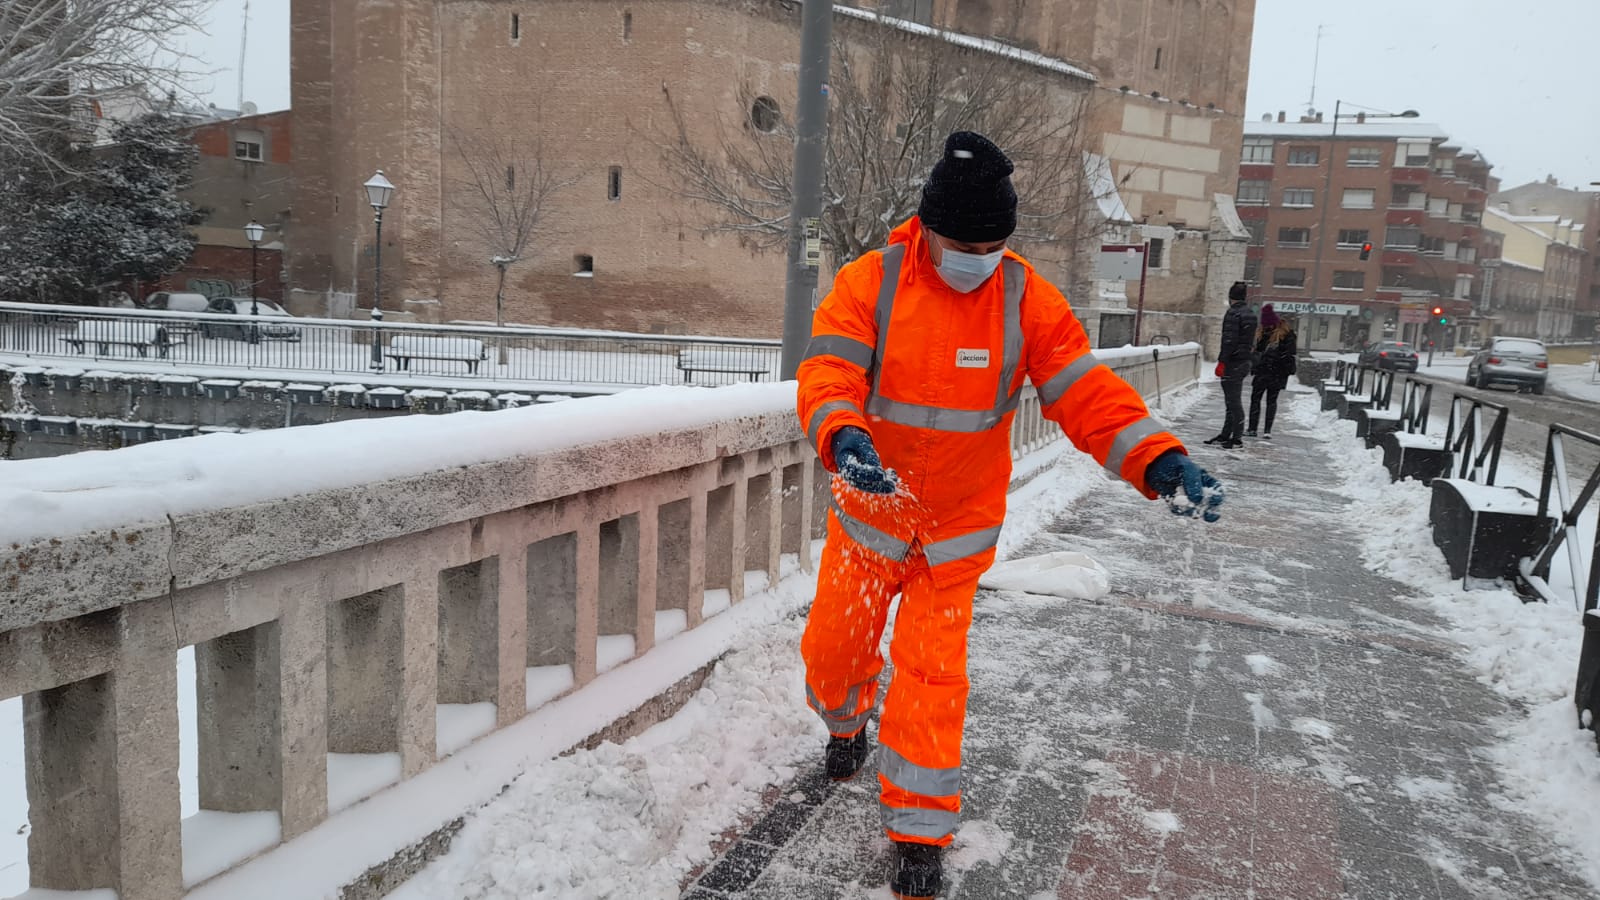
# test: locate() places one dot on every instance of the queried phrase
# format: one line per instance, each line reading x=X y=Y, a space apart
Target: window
x=614 y=183
x=1364 y=158
x=1353 y=237
x=627 y=25
x=1439 y=207
x=1257 y=152
x=511 y=178
x=1252 y=271
x=1294 y=237
x=764 y=115
x=1289 y=278
x=1359 y=198
x=1299 y=197
x=1349 y=281
x=1302 y=156
x=249 y=150
x=1322 y=328
x=1413 y=153
x=1253 y=193
x=1158 y=59
x=1156 y=255
x=1403 y=237
x=585 y=266
x=1405 y=196
x=516 y=27
x=1258 y=231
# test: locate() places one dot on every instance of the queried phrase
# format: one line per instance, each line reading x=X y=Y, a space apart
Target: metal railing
x=1556 y=496
x=1382 y=387
x=1476 y=447
x=283 y=346
x=1417 y=407
x=1355 y=378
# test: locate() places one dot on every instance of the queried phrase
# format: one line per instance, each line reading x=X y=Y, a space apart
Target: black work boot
x=845 y=755
x=918 y=871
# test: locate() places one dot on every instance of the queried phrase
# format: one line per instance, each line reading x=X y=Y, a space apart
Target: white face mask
x=966 y=272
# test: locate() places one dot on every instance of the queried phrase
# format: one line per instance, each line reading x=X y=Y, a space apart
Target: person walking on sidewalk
x=1274 y=363
x=907 y=392
x=1233 y=365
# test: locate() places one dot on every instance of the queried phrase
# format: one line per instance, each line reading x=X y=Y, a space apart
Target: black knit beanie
x=969 y=197
x=1236 y=294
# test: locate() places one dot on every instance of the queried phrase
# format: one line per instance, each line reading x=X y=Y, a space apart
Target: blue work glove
x=1173 y=470
x=858 y=462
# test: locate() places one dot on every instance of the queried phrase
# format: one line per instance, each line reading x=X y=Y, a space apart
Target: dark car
x=1396 y=355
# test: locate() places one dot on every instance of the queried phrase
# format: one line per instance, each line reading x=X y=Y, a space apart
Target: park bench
x=751 y=364
x=405 y=348
x=105 y=334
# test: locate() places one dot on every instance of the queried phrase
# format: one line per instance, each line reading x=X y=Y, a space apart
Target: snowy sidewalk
x=1251 y=713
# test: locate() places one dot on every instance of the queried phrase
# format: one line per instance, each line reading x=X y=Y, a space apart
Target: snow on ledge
x=68 y=495
x=1491 y=497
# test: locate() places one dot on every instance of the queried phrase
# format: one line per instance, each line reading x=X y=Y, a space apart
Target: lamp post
x=253 y=233
x=805 y=215
x=379 y=191
x=1327 y=188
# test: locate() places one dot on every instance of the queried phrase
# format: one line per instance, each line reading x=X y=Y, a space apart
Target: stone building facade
x=384 y=84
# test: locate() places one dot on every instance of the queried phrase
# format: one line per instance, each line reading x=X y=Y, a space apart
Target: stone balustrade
x=350 y=630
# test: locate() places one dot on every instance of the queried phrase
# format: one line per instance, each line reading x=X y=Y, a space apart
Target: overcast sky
x=1516 y=80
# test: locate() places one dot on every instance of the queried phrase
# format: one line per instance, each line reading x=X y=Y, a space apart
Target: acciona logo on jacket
x=972 y=359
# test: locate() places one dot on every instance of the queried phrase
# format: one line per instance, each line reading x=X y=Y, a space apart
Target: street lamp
x=1327 y=187
x=253 y=233
x=379 y=191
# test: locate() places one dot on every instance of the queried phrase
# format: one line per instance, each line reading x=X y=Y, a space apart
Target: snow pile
x=1075 y=576
x=632 y=819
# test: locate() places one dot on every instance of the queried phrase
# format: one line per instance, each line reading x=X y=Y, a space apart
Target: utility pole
x=805 y=223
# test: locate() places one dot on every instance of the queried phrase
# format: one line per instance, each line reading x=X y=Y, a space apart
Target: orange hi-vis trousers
x=919 y=732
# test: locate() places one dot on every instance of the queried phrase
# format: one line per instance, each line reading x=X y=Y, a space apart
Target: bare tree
x=57 y=56
x=897 y=91
x=510 y=182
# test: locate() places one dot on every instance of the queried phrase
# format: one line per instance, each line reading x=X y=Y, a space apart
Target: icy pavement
x=1251 y=713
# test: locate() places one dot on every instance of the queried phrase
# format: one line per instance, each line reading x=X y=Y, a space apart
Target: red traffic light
x=1366 y=251
x=1438 y=310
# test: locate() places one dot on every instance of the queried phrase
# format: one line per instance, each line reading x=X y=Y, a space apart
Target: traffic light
x=1438 y=312
x=1366 y=251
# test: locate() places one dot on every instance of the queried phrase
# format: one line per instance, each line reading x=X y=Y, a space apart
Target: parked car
x=1521 y=362
x=254 y=332
x=177 y=301
x=1396 y=355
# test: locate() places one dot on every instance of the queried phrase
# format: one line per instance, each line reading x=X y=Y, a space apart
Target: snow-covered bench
x=406 y=347
x=750 y=364
x=104 y=334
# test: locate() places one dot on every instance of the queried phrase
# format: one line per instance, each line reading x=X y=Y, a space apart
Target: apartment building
x=1313 y=195
x=1581 y=207
x=1544 y=255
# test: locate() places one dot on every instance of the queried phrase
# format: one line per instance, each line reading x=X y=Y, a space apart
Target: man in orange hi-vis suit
x=915 y=366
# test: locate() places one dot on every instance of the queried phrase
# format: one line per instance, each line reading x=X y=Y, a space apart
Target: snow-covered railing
x=361 y=599
x=1564 y=501
x=279 y=344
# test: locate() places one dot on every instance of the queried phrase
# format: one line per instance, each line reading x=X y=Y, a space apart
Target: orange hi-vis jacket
x=934 y=376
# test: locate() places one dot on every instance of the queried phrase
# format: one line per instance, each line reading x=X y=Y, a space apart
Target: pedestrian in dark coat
x=1274 y=363
x=1233 y=364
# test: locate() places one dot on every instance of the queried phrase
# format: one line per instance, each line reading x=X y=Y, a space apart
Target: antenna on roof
x=1316 y=60
x=244 y=40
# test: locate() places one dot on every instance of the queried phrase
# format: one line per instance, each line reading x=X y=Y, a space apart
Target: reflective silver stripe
x=879 y=542
x=917 y=779
x=929 y=824
x=1127 y=439
x=960 y=547
x=1061 y=382
x=893 y=256
x=1016 y=282
x=821 y=415
x=844 y=720
x=966 y=421
x=837 y=345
